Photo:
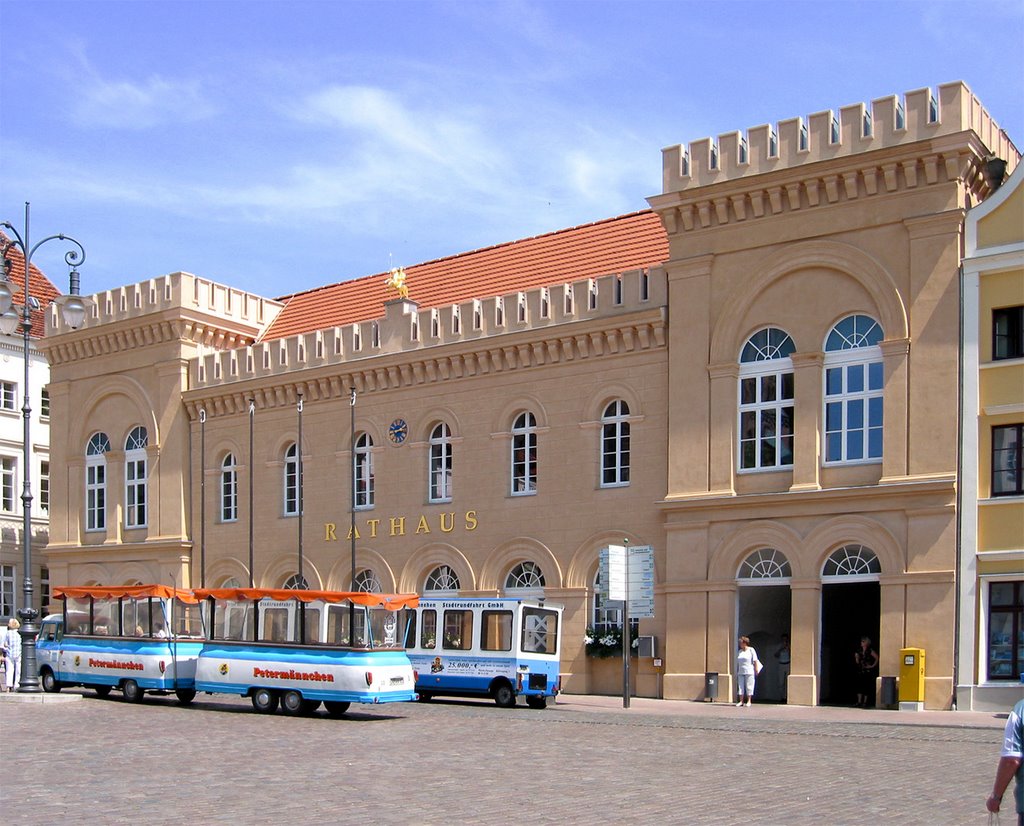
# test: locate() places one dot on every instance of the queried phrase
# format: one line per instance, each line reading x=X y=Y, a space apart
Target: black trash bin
x=711 y=686
x=888 y=692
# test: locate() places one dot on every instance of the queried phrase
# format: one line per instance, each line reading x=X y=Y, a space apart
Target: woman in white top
x=747 y=666
x=10 y=641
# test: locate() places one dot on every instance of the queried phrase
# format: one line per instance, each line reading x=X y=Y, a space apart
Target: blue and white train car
x=501 y=648
x=134 y=638
x=298 y=649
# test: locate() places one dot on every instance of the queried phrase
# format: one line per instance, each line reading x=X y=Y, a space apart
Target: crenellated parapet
x=172 y=308
x=409 y=345
x=888 y=122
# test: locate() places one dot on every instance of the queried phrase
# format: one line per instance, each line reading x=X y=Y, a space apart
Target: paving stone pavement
x=583 y=759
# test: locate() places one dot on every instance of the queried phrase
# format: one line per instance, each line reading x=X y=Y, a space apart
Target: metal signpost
x=627 y=576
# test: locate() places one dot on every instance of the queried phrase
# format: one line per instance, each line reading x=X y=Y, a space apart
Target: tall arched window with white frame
x=766 y=401
x=229 y=489
x=854 y=388
x=96 y=482
x=524 y=455
x=615 y=445
x=441 y=464
x=291 y=480
x=362 y=471
x=135 y=475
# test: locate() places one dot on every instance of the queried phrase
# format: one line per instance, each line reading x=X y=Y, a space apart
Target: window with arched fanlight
x=766 y=391
x=291 y=480
x=441 y=460
x=615 y=447
x=230 y=582
x=764 y=564
x=524 y=455
x=526 y=577
x=854 y=389
x=442 y=580
x=96 y=482
x=135 y=473
x=229 y=489
x=851 y=561
x=362 y=471
x=296 y=583
x=368 y=582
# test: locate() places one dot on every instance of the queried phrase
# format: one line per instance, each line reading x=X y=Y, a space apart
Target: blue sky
x=280 y=146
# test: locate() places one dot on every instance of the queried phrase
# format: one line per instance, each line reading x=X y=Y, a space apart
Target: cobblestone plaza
x=584 y=759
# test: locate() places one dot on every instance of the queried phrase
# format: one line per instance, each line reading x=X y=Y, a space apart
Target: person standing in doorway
x=782 y=657
x=747 y=668
x=1011 y=764
x=866 y=660
x=10 y=641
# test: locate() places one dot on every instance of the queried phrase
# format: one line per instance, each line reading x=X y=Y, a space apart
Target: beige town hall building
x=758 y=377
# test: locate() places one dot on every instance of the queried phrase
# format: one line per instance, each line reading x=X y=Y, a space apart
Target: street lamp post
x=12 y=314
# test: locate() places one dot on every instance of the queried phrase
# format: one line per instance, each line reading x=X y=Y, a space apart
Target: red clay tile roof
x=615 y=245
x=39 y=286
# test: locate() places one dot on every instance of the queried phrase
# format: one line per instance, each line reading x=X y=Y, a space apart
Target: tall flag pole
x=352 y=515
x=202 y=497
x=252 y=492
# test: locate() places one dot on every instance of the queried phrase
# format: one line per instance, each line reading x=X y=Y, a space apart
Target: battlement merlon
x=857 y=128
x=243 y=314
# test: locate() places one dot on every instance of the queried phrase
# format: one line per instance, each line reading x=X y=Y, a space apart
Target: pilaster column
x=808 y=425
x=722 y=427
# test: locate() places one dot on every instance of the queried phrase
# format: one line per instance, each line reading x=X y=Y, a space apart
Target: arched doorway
x=763 y=611
x=850 y=609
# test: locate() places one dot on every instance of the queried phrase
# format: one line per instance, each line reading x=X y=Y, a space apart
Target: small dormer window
x=901 y=115
x=568 y=299
x=867 y=127
x=478 y=320
x=773 y=144
x=357 y=337
x=456 y=320
x=545 y=303
x=686 y=162
x=375 y=334
x=933 y=109
x=833 y=133
x=618 y=291
x=713 y=163
x=522 y=308
x=592 y=295
x=435 y=324
x=743 y=150
x=499 y=311
x=803 y=140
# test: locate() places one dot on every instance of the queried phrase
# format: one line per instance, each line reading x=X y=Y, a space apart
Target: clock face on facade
x=397 y=431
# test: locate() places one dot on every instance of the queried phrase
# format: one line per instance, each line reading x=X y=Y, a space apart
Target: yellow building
x=755 y=378
x=990 y=641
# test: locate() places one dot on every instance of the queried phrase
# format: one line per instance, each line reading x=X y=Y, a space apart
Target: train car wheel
x=292 y=702
x=185 y=695
x=336 y=708
x=132 y=692
x=537 y=701
x=50 y=683
x=103 y=691
x=264 y=701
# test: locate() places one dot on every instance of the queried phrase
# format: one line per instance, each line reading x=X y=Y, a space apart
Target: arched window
x=441 y=464
x=291 y=480
x=766 y=563
x=228 y=489
x=135 y=460
x=525 y=577
x=607 y=614
x=766 y=401
x=524 y=455
x=854 y=385
x=296 y=583
x=615 y=445
x=362 y=471
x=368 y=582
x=96 y=482
x=442 y=580
x=852 y=560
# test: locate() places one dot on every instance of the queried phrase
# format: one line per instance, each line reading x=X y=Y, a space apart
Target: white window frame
x=44 y=486
x=441 y=461
x=769 y=368
x=136 y=466
x=362 y=472
x=229 y=489
x=8 y=484
x=615 y=445
x=8 y=396
x=96 y=482
x=290 y=480
x=523 y=458
x=8 y=590
x=525 y=579
x=441 y=581
x=44 y=403
x=845 y=357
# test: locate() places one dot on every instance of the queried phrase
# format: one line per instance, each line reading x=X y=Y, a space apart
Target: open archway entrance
x=763 y=611
x=850 y=609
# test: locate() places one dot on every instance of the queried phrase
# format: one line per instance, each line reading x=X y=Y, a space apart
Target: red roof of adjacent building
x=614 y=245
x=39 y=286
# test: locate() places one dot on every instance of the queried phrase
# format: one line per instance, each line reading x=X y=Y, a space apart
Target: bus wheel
x=185 y=695
x=336 y=708
x=132 y=692
x=537 y=701
x=50 y=683
x=309 y=706
x=504 y=696
x=103 y=691
x=264 y=701
x=291 y=702
x=426 y=696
